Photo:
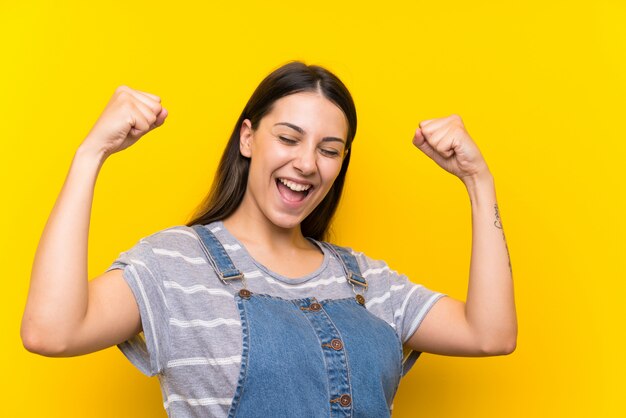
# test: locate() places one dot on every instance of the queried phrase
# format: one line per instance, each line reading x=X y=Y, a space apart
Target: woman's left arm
x=486 y=323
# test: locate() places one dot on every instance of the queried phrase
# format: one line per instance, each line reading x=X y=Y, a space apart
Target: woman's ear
x=245 y=138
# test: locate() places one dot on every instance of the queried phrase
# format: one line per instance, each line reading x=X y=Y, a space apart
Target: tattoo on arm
x=498 y=224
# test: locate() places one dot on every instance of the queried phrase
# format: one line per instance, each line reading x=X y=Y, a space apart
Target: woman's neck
x=253 y=232
x=282 y=250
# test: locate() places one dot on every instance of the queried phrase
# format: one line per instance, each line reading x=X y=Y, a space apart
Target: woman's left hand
x=446 y=141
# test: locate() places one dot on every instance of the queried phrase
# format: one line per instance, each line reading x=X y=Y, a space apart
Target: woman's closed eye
x=287 y=140
x=330 y=152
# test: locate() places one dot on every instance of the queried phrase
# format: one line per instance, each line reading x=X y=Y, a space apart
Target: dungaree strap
x=349 y=264
x=215 y=252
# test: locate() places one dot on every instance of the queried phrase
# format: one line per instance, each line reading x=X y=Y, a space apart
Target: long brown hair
x=229 y=184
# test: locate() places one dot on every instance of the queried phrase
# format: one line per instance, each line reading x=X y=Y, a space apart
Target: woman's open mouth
x=291 y=191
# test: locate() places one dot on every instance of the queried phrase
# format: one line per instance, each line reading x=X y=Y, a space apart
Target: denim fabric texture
x=216 y=254
x=311 y=358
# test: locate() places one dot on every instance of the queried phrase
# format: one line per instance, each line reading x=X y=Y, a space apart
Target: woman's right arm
x=65 y=313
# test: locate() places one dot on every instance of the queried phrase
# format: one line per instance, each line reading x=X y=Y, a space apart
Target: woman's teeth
x=295 y=186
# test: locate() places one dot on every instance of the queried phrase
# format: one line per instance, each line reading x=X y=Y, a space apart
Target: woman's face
x=295 y=155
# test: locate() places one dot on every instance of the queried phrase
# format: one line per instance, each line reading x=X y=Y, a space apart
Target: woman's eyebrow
x=300 y=130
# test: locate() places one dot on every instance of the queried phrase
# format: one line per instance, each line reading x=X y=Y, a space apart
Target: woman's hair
x=229 y=184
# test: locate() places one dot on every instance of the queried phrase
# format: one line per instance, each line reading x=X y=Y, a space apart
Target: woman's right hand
x=128 y=116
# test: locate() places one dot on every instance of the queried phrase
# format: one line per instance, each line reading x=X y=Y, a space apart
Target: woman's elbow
x=35 y=343
x=509 y=347
x=501 y=348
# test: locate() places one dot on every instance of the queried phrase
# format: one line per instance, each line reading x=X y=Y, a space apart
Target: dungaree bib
x=310 y=358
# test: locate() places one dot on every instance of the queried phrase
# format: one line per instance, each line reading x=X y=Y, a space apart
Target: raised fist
x=446 y=141
x=128 y=116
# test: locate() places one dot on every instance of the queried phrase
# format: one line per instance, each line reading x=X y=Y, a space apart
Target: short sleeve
x=147 y=351
x=410 y=303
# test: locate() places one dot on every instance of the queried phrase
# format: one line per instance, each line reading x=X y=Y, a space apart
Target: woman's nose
x=305 y=161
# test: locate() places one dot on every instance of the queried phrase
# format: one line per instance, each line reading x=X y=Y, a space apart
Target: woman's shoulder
x=173 y=237
x=368 y=264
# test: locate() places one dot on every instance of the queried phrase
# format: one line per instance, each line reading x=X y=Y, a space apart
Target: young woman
x=246 y=310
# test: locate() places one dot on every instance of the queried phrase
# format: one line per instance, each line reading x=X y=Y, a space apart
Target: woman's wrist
x=90 y=155
x=480 y=179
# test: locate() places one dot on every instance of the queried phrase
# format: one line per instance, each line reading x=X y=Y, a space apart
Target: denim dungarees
x=310 y=358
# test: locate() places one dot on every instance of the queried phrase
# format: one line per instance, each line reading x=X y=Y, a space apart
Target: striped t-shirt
x=192 y=337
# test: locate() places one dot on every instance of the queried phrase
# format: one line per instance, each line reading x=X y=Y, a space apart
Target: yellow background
x=540 y=86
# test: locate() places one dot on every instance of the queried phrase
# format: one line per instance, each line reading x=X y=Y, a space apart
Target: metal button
x=315 y=306
x=245 y=293
x=336 y=344
x=345 y=400
x=360 y=299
